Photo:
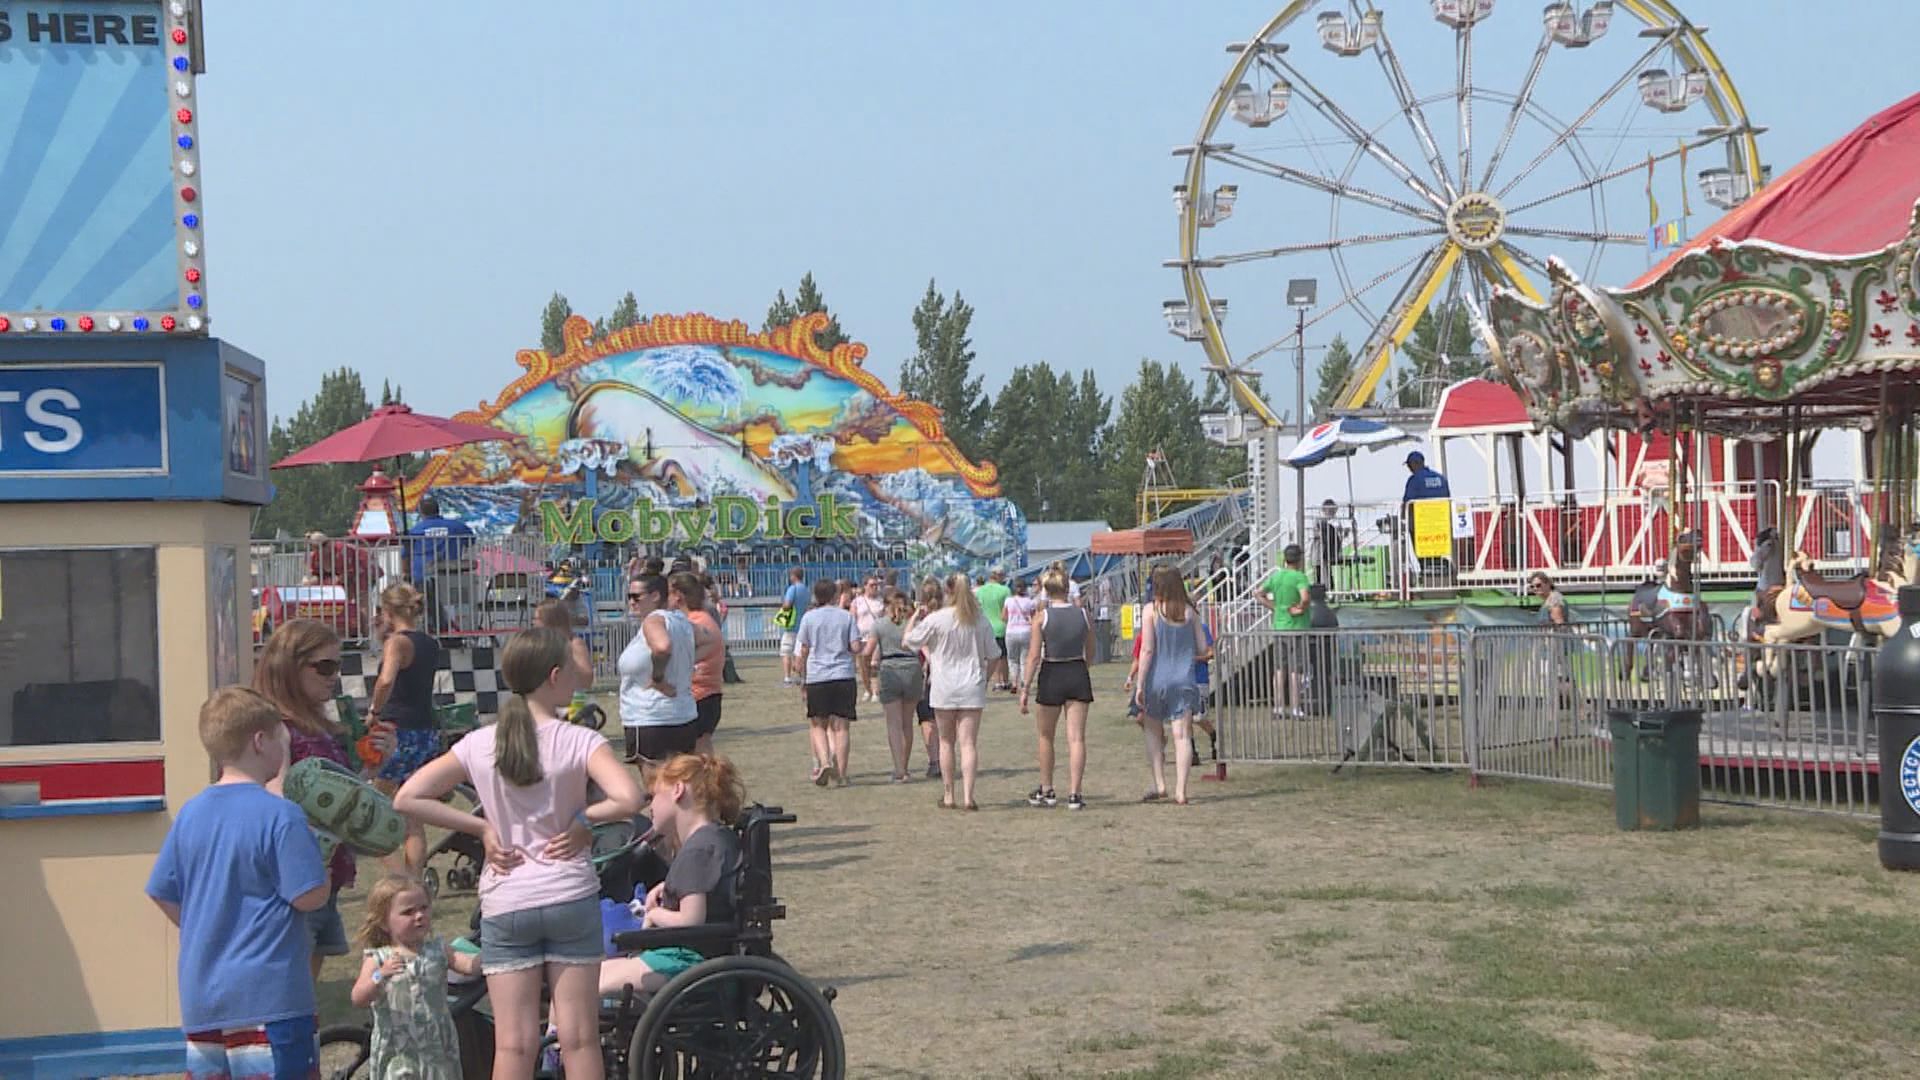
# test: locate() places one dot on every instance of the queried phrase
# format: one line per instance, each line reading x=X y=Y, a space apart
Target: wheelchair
x=740 y=1012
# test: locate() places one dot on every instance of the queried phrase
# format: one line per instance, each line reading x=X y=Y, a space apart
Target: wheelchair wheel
x=737 y=1016
x=344 y=1050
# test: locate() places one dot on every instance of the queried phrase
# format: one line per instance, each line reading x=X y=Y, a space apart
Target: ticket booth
x=128 y=473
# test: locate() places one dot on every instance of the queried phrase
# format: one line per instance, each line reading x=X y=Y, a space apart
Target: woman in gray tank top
x=902 y=683
x=1056 y=677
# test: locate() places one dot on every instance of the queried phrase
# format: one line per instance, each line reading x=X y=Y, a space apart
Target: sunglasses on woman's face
x=634 y=597
x=325 y=668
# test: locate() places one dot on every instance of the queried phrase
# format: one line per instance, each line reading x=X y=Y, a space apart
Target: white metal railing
x=1587 y=537
x=1796 y=731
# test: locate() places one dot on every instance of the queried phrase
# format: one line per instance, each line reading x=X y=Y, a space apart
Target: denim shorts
x=328 y=933
x=564 y=933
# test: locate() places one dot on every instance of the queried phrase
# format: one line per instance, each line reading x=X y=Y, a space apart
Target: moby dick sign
x=729 y=518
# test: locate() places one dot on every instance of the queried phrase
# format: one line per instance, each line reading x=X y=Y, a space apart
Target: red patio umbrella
x=392 y=430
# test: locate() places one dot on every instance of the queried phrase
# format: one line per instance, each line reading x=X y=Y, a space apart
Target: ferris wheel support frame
x=1496 y=263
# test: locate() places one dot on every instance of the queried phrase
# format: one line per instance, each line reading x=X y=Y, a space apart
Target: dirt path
x=1289 y=923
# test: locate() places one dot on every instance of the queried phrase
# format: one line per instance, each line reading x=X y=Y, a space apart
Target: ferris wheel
x=1561 y=136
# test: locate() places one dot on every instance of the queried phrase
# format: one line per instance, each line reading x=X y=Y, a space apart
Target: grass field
x=1290 y=923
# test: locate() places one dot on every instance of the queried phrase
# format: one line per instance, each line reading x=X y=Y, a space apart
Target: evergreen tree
x=319 y=497
x=552 y=320
x=386 y=392
x=779 y=313
x=625 y=313
x=1336 y=367
x=1045 y=432
x=1432 y=364
x=1159 y=411
x=1080 y=465
x=807 y=299
x=941 y=370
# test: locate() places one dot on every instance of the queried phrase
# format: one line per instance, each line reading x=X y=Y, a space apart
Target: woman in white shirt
x=657 y=710
x=1019 y=611
x=959 y=645
x=868 y=605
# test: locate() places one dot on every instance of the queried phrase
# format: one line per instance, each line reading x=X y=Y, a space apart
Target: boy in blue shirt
x=237 y=873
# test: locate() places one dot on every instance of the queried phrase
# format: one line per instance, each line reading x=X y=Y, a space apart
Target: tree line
x=1066 y=450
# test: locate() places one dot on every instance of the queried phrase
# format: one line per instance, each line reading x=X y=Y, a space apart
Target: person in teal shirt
x=992 y=596
x=1284 y=592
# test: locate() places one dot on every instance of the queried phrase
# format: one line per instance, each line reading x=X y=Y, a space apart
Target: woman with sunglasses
x=403 y=696
x=298 y=670
x=657 y=710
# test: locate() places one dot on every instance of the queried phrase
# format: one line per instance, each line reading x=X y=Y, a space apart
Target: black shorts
x=836 y=698
x=661 y=743
x=1062 y=681
x=707 y=715
x=924 y=710
x=1002 y=642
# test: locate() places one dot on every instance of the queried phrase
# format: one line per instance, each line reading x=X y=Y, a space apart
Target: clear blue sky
x=399 y=187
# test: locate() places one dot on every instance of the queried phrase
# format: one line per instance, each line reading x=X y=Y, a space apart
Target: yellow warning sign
x=1432 y=528
x=1127 y=612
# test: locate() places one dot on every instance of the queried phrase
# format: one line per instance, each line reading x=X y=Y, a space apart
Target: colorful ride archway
x=692 y=432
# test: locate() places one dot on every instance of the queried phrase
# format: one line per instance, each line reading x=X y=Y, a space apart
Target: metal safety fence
x=1340 y=696
x=1788 y=726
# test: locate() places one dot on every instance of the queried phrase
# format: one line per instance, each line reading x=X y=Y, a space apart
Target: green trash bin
x=1656 y=768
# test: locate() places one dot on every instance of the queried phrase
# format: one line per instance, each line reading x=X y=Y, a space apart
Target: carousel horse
x=1674 y=610
x=1807 y=604
x=1640 y=617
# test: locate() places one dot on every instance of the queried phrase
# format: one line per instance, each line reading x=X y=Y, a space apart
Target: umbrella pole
x=400 y=478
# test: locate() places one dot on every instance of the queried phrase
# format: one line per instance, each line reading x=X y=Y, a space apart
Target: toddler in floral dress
x=404 y=980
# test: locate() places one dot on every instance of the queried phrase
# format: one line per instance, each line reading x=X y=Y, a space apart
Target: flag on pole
x=1686 y=204
x=1664 y=235
x=1653 y=204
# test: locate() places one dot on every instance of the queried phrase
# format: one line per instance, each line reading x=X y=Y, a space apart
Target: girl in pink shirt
x=539 y=896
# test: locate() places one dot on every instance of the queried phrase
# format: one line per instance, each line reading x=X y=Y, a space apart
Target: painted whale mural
x=681 y=413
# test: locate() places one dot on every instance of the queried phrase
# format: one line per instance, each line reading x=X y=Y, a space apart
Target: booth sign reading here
x=82 y=420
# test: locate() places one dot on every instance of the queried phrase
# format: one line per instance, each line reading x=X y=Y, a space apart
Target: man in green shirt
x=993 y=604
x=1284 y=593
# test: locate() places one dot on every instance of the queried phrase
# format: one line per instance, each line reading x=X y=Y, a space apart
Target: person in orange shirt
x=686 y=592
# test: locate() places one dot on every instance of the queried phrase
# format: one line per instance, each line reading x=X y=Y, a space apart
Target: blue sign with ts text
x=82 y=420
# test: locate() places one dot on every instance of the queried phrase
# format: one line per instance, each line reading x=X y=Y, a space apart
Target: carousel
x=1792 y=318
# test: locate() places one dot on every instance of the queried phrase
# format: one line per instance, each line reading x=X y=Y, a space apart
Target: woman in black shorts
x=829 y=639
x=932 y=596
x=1063 y=642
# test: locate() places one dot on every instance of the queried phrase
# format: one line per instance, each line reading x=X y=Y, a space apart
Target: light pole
x=1302 y=293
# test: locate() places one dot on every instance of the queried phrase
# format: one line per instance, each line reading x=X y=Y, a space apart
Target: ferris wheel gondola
x=1424 y=216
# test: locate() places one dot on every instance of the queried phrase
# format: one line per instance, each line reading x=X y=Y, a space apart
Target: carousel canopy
x=1478 y=407
x=1853 y=197
x=1799 y=308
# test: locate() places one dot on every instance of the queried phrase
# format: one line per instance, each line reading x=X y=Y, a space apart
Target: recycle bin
x=1656 y=768
x=1896 y=715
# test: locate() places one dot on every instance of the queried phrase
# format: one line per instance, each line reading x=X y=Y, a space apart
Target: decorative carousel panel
x=1731 y=326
